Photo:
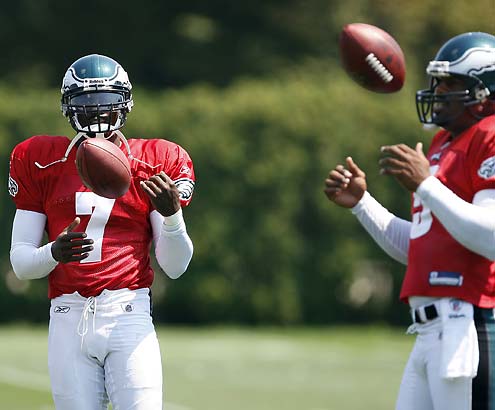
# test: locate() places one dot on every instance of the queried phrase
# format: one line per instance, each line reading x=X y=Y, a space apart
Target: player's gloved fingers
x=154 y=187
x=161 y=183
x=77 y=258
x=331 y=183
x=70 y=236
x=394 y=151
x=147 y=190
x=406 y=149
x=354 y=170
x=332 y=191
x=83 y=249
x=147 y=187
x=80 y=242
x=72 y=225
x=162 y=175
x=78 y=246
x=339 y=176
x=390 y=162
x=391 y=171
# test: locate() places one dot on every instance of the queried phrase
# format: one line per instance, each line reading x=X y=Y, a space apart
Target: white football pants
x=422 y=388
x=102 y=348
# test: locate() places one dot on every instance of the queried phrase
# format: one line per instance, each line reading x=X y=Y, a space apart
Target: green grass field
x=238 y=369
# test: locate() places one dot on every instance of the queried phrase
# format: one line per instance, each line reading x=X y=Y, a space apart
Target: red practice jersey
x=438 y=265
x=120 y=228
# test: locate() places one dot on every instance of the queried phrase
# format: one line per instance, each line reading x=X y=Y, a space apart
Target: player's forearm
x=173 y=246
x=31 y=262
x=472 y=225
x=389 y=232
x=29 y=259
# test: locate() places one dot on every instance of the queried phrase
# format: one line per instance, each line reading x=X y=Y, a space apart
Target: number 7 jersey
x=438 y=265
x=120 y=228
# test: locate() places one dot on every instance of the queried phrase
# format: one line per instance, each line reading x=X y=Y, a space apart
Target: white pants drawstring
x=82 y=327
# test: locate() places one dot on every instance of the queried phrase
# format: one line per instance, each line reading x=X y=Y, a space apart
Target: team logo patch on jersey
x=13 y=187
x=487 y=168
x=185 y=187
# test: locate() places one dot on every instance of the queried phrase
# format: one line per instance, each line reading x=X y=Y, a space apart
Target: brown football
x=372 y=57
x=103 y=167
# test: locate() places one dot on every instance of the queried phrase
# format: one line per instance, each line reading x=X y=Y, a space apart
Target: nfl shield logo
x=455 y=304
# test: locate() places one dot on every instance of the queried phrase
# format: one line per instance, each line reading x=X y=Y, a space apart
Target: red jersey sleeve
x=24 y=187
x=482 y=155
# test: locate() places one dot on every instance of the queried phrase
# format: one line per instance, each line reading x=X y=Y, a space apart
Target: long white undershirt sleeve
x=28 y=259
x=173 y=247
x=390 y=232
x=472 y=225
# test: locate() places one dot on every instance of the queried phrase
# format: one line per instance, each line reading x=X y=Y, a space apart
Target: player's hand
x=71 y=246
x=409 y=166
x=163 y=193
x=346 y=186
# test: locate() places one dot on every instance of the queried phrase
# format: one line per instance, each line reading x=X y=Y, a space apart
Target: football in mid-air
x=372 y=57
x=103 y=167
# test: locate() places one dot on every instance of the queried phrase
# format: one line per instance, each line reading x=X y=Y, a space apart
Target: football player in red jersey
x=102 y=342
x=449 y=246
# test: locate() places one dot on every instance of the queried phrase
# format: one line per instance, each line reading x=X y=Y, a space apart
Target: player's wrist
x=174 y=220
x=361 y=203
x=427 y=186
x=48 y=252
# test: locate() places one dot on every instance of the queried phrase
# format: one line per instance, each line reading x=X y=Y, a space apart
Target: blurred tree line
x=254 y=91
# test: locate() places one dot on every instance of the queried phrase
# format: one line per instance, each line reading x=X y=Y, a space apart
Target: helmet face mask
x=441 y=107
x=96 y=95
x=467 y=59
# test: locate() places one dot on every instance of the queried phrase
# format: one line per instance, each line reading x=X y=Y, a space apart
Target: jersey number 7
x=100 y=208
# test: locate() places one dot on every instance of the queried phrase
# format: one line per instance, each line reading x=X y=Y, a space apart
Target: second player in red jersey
x=449 y=245
x=465 y=165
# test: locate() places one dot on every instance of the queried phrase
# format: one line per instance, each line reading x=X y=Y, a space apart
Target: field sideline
x=238 y=368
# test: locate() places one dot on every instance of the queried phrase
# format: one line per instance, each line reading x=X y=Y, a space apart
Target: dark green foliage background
x=254 y=91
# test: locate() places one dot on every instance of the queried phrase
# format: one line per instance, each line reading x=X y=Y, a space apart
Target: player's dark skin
x=73 y=246
x=346 y=186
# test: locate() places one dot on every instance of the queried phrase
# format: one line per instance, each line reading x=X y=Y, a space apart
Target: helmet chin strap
x=74 y=141
x=79 y=135
x=123 y=139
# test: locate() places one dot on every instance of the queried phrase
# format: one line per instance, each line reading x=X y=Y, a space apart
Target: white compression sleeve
x=472 y=225
x=389 y=232
x=28 y=259
x=173 y=247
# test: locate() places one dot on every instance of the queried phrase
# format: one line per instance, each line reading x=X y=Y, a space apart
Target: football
x=372 y=58
x=103 y=167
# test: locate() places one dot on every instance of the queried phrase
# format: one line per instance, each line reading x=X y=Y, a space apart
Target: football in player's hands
x=103 y=167
x=372 y=57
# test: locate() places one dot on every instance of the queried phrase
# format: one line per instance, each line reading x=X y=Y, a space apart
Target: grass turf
x=208 y=368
